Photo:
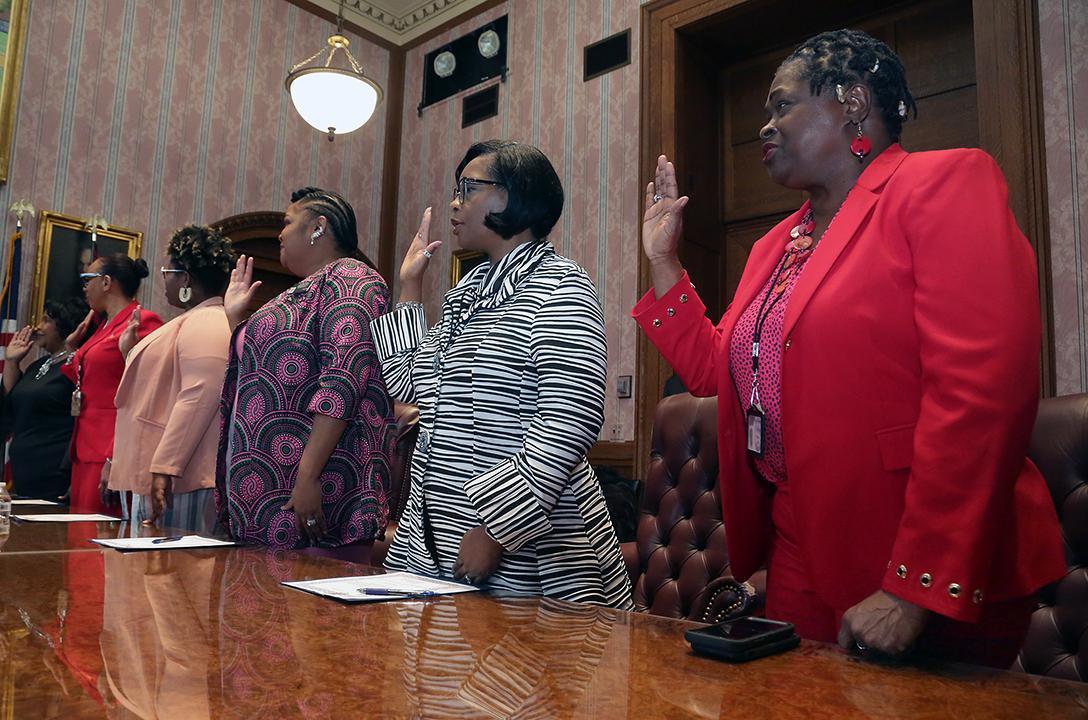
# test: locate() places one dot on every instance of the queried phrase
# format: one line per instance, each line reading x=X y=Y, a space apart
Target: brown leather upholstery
x=681 y=539
x=405 y=430
x=1057 y=641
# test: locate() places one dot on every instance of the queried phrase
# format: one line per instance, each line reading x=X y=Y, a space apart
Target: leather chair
x=405 y=430
x=1057 y=640
x=680 y=546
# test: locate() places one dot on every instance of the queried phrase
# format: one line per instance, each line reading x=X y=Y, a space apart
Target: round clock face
x=488 y=43
x=444 y=64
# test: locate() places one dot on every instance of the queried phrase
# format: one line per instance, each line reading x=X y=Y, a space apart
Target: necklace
x=53 y=360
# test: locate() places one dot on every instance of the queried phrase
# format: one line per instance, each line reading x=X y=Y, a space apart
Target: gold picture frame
x=464 y=261
x=12 y=44
x=65 y=250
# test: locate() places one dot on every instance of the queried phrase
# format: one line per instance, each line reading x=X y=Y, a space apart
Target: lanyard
x=765 y=308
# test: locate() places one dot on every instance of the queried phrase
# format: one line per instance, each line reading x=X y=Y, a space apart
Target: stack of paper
x=69 y=517
x=177 y=542
x=375 y=588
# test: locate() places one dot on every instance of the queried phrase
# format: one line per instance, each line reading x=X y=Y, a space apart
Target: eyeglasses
x=87 y=277
x=460 y=190
x=167 y=271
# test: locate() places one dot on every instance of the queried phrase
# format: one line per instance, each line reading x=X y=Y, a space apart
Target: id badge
x=77 y=403
x=754 y=421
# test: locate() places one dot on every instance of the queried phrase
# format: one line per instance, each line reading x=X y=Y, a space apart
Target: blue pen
x=386 y=592
x=156 y=541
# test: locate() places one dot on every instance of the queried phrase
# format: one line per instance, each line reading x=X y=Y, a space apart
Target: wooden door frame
x=1008 y=76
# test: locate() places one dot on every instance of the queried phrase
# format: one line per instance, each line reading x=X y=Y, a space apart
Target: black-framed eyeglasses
x=88 y=276
x=460 y=190
x=169 y=271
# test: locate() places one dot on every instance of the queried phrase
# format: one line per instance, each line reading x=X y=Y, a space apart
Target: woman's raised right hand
x=72 y=342
x=419 y=252
x=20 y=345
x=240 y=292
x=663 y=218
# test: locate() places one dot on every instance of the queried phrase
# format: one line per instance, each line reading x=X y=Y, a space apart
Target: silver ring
x=657 y=198
x=311 y=522
x=428 y=254
x=862 y=647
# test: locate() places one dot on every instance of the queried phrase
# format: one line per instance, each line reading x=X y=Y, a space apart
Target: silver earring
x=185 y=294
x=315 y=235
x=902 y=109
x=876 y=66
x=840 y=93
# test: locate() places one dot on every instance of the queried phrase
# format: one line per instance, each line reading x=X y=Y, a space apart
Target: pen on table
x=388 y=591
x=172 y=538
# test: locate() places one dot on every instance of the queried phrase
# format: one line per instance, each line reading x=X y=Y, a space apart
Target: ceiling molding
x=398 y=22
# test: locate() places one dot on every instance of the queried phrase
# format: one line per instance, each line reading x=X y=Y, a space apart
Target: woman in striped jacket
x=510 y=387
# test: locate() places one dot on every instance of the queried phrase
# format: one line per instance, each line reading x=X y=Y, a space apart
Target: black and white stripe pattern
x=510 y=387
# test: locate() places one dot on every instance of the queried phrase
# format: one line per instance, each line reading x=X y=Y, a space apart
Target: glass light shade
x=444 y=64
x=488 y=43
x=331 y=100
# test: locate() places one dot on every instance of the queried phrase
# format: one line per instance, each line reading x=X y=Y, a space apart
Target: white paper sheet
x=67 y=518
x=185 y=542
x=32 y=501
x=351 y=589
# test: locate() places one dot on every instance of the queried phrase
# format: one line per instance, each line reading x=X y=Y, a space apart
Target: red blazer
x=910 y=385
x=102 y=366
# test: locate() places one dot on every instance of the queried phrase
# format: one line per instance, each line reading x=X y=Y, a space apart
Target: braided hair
x=340 y=216
x=205 y=253
x=848 y=57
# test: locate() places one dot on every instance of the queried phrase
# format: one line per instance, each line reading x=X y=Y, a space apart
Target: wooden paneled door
x=706 y=68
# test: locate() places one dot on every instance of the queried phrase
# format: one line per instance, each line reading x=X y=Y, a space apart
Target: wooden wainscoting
x=620 y=456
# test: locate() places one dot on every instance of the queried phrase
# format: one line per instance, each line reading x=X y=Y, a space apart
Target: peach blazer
x=167 y=403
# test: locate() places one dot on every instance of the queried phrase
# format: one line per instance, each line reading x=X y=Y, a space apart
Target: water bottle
x=5 y=509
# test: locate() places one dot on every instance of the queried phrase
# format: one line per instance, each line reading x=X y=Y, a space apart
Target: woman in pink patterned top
x=304 y=456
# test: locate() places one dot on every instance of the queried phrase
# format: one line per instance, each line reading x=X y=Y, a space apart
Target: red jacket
x=910 y=373
x=102 y=364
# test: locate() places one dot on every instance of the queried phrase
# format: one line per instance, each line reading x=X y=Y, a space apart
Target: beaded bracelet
x=742 y=600
x=407 y=303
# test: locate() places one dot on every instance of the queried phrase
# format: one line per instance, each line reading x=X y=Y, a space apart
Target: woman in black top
x=37 y=403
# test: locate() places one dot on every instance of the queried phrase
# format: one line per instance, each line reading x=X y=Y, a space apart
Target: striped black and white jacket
x=510 y=388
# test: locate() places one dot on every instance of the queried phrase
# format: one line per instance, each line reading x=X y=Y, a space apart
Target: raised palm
x=419 y=252
x=20 y=344
x=130 y=336
x=663 y=218
x=78 y=335
x=240 y=291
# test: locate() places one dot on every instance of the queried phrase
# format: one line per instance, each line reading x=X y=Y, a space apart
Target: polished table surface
x=213 y=634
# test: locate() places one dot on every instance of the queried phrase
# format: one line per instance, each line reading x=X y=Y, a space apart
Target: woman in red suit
x=110 y=286
x=877 y=374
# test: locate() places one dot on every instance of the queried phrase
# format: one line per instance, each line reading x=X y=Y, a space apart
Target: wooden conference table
x=89 y=633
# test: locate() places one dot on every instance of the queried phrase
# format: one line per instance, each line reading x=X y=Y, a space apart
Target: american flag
x=9 y=292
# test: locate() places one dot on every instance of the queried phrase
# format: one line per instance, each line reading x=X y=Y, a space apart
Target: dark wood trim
x=394 y=118
x=315 y=9
x=620 y=456
x=452 y=23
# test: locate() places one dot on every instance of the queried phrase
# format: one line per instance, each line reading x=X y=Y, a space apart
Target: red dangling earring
x=860 y=146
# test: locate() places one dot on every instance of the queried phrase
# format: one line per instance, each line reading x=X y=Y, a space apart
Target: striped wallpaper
x=158 y=113
x=589 y=130
x=1063 y=30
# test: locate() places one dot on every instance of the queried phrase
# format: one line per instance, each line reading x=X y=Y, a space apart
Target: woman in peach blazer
x=169 y=395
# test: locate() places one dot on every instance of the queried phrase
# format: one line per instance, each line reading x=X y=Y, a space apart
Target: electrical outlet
x=616 y=432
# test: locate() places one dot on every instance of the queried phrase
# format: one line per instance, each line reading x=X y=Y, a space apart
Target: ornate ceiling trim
x=399 y=21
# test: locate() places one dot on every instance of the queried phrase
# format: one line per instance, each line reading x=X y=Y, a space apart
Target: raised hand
x=130 y=336
x=419 y=252
x=664 y=214
x=239 y=294
x=73 y=341
x=20 y=344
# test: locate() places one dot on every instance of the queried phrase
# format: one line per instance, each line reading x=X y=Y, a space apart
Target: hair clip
x=902 y=109
x=876 y=66
x=840 y=93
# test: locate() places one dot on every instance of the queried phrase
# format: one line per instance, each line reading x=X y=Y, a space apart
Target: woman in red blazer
x=877 y=373
x=110 y=286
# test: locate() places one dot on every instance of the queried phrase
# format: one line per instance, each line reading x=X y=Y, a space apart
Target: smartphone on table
x=743 y=639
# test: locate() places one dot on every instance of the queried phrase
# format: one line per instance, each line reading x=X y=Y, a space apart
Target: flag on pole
x=9 y=292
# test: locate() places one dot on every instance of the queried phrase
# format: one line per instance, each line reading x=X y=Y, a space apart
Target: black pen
x=156 y=541
x=388 y=592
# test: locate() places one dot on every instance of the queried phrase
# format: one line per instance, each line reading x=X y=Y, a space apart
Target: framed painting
x=66 y=247
x=464 y=261
x=13 y=22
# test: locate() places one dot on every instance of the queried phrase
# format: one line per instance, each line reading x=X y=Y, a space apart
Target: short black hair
x=66 y=314
x=340 y=215
x=847 y=57
x=534 y=193
x=127 y=272
x=205 y=253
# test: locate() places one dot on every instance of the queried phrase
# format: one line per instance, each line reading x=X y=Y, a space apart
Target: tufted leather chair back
x=405 y=430
x=1057 y=641
x=680 y=545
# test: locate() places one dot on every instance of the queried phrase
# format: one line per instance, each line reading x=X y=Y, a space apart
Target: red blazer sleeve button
x=926 y=579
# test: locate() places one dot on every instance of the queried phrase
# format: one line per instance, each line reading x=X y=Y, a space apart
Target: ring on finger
x=657 y=198
x=311 y=522
x=428 y=254
x=861 y=647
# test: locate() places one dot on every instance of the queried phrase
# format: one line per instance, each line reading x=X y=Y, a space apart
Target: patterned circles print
x=254 y=407
x=250 y=487
x=346 y=329
x=329 y=402
x=291 y=368
x=284 y=529
x=287 y=449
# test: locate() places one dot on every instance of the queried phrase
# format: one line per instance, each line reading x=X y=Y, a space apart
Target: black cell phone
x=743 y=639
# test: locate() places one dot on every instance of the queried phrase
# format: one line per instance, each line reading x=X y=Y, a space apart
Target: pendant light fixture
x=332 y=99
